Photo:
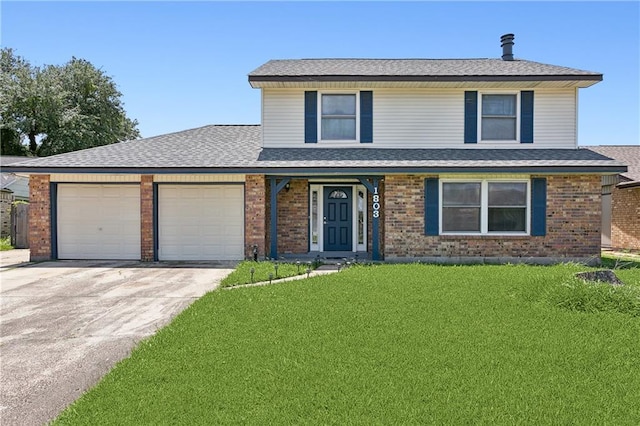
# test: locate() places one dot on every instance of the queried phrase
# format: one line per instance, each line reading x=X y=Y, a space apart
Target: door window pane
x=361 y=204
x=314 y=217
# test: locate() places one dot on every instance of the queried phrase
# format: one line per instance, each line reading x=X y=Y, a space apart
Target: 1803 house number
x=376 y=202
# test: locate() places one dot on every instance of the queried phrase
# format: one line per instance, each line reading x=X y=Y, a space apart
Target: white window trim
x=319 y=246
x=484 y=207
x=319 y=109
x=499 y=92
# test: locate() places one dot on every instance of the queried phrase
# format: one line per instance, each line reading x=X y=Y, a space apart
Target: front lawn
x=389 y=344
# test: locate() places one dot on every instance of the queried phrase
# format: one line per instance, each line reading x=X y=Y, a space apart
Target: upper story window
x=499 y=117
x=495 y=117
x=338 y=117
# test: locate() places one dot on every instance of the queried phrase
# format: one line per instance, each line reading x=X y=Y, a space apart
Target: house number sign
x=376 y=202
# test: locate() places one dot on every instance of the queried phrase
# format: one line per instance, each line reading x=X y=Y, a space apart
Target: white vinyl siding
x=98 y=221
x=554 y=119
x=421 y=118
x=283 y=118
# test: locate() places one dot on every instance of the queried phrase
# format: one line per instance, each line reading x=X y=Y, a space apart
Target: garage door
x=200 y=222
x=98 y=221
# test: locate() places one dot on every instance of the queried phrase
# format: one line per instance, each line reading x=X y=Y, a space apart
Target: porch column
x=376 y=212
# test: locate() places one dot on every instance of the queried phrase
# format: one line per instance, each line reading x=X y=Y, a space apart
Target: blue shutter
x=311 y=117
x=470 y=117
x=526 y=116
x=366 y=116
x=538 y=207
x=431 y=207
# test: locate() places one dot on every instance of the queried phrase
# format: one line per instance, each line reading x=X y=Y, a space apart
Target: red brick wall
x=625 y=218
x=39 y=217
x=146 y=218
x=573 y=224
x=255 y=211
x=293 y=218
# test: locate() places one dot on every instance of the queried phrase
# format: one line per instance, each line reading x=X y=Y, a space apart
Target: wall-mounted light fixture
x=287 y=187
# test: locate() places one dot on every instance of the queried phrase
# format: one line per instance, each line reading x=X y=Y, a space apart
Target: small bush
x=578 y=295
x=5 y=244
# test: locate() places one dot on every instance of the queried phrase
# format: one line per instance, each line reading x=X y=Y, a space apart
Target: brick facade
x=573 y=224
x=255 y=212
x=40 y=217
x=293 y=218
x=625 y=218
x=572 y=232
x=146 y=218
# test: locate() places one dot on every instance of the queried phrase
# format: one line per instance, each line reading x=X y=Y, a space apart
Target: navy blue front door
x=338 y=221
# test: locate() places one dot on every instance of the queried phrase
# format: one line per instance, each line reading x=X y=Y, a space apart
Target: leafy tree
x=57 y=109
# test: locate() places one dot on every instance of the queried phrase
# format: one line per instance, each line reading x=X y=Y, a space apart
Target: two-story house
x=445 y=160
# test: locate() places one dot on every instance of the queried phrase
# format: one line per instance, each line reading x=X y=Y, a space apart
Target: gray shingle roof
x=237 y=149
x=209 y=146
x=626 y=154
x=413 y=68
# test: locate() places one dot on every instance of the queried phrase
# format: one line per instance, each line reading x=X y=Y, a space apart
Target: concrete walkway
x=12 y=258
x=67 y=323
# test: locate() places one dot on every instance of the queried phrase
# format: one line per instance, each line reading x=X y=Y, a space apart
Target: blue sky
x=185 y=65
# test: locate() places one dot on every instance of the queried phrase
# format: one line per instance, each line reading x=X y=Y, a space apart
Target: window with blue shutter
x=311 y=117
x=431 y=206
x=538 y=207
x=494 y=117
x=366 y=116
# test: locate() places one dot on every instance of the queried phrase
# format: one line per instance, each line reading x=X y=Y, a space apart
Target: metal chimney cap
x=507 y=46
x=507 y=37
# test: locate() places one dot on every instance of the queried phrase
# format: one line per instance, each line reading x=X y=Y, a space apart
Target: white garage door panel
x=98 y=221
x=201 y=222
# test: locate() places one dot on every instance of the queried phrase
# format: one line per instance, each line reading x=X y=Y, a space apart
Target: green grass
x=5 y=244
x=389 y=344
x=261 y=270
x=620 y=260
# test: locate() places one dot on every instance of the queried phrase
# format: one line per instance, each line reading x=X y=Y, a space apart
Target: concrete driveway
x=65 y=324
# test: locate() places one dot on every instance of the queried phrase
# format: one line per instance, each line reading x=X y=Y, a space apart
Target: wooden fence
x=20 y=225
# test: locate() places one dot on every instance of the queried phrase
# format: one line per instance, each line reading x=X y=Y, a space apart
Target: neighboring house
x=621 y=199
x=17 y=184
x=448 y=160
x=12 y=188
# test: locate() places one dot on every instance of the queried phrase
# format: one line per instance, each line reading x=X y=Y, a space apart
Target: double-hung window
x=499 y=117
x=338 y=117
x=485 y=207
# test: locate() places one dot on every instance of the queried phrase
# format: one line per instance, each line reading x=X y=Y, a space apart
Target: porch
x=325 y=218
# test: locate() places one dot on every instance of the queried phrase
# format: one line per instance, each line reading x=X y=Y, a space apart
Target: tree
x=57 y=109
